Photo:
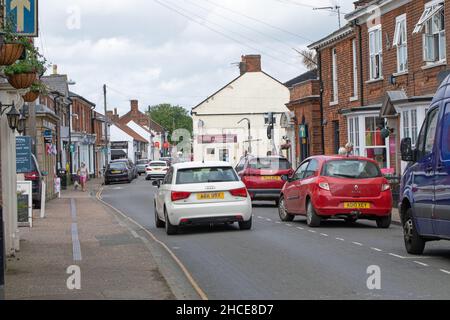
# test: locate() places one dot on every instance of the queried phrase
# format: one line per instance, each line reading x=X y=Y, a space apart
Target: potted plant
x=36 y=89
x=23 y=73
x=13 y=46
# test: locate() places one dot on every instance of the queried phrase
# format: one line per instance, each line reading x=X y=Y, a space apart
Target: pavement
x=114 y=261
x=278 y=260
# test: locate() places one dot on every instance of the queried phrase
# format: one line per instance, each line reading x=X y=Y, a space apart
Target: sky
x=175 y=51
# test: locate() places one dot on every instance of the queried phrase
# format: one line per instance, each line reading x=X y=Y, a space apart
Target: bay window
x=376 y=53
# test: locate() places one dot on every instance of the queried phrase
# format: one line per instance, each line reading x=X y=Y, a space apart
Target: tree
x=171 y=117
x=309 y=59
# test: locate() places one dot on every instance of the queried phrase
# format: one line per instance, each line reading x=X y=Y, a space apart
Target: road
x=277 y=260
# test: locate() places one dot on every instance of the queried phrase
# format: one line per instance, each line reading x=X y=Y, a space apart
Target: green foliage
x=171 y=117
x=33 y=62
x=40 y=87
x=9 y=36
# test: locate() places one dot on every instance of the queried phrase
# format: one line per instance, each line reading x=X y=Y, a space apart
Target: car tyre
x=170 y=229
x=158 y=222
x=245 y=225
x=414 y=243
x=285 y=216
x=312 y=219
x=384 y=222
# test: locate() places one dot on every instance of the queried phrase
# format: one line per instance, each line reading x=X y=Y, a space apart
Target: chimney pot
x=134 y=106
x=250 y=63
x=55 y=69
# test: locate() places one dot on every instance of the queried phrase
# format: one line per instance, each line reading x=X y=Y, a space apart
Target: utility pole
x=249 y=134
x=106 y=126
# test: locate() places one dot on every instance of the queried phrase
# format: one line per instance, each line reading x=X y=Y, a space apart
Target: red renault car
x=337 y=187
x=264 y=177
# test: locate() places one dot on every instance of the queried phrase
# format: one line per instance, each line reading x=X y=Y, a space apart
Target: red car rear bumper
x=327 y=206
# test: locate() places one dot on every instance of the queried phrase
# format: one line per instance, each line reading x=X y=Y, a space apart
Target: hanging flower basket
x=31 y=96
x=22 y=80
x=10 y=53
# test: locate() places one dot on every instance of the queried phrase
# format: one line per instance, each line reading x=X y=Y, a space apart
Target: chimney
x=55 y=69
x=250 y=63
x=134 y=106
x=113 y=116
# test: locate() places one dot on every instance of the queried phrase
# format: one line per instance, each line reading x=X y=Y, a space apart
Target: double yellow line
x=188 y=275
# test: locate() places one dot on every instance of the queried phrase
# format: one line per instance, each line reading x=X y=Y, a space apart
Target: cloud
x=144 y=50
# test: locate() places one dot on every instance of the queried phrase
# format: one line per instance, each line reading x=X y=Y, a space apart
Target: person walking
x=83 y=176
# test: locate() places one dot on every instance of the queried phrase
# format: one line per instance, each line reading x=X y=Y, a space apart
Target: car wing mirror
x=156 y=183
x=407 y=150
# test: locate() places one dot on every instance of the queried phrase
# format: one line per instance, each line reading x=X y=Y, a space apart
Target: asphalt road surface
x=277 y=260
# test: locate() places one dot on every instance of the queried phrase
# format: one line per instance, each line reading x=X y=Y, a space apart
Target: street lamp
x=249 y=134
x=22 y=123
x=13 y=115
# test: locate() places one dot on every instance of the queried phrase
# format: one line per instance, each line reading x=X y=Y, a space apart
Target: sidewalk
x=80 y=231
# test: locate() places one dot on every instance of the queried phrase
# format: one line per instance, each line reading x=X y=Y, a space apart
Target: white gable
x=253 y=92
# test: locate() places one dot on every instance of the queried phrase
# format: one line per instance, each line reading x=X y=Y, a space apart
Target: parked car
x=156 y=170
x=425 y=185
x=130 y=165
x=263 y=176
x=169 y=160
x=141 y=165
x=118 y=171
x=337 y=187
x=35 y=176
x=196 y=193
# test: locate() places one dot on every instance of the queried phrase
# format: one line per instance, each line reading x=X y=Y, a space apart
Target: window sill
x=334 y=103
x=374 y=80
x=435 y=65
x=353 y=99
x=399 y=74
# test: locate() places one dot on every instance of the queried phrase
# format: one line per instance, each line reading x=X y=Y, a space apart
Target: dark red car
x=337 y=187
x=264 y=177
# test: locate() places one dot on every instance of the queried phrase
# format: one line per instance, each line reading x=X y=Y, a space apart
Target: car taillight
x=32 y=176
x=180 y=195
x=242 y=192
x=148 y=169
x=324 y=185
x=385 y=187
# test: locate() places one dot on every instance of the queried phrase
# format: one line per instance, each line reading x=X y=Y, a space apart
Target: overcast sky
x=175 y=51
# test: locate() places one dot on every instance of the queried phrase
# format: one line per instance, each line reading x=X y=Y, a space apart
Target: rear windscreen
x=206 y=175
x=117 y=165
x=158 y=164
x=270 y=164
x=352 y=169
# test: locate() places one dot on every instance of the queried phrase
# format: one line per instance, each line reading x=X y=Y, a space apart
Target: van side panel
x=442 y=187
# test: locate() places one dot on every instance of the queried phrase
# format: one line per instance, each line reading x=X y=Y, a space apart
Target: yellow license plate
x=116 y=172
x=271 y=178
x=357 y=205
x=211 y=196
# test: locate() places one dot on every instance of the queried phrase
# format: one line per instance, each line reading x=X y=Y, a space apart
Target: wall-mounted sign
x=23 y=155
x=119 y=145
x=23 y=16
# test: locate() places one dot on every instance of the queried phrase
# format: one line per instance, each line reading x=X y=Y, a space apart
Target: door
x=441 y=221
x=304 y=185
x=423 y=175
x=292 y=189
x=163 y=192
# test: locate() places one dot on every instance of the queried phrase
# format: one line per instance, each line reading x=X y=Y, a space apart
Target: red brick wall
x=82 y=123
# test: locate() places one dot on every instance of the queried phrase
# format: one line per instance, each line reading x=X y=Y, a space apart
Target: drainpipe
x=322 y=125
x=361 y=73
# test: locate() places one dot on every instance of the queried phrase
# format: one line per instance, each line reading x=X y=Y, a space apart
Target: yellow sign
x=357 y=205
x=211 y=196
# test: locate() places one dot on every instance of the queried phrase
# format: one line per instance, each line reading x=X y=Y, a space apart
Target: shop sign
x=23 y=155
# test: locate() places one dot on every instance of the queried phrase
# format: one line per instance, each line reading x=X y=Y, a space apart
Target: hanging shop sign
x=23 y=15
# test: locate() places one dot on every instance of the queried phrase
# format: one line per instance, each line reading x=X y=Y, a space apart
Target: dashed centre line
x=358 y=244
x=312 y=231
x=396 y=255
x=324 y=234
x=377 y=250
x=445 y=271
x=421 y=264
x=300 y=228
x=340 y=239
x=288 y=225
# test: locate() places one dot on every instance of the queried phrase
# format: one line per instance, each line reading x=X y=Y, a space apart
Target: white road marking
x=260 y=217
x=312 y=231
x=340 y=239
x=421 y=263
x=288 y=225
x=358 y=244
x=376 y=249
x=396 y=255
x=445 y=271
x=268 y=219
x=324 y=234
x=300 y=228
x=277 y=222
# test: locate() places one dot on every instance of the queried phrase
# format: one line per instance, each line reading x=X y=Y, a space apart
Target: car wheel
x=414 y=243
x=384 y=222
x=282 y=211
x=245 y=225
x=312 y=219
x=170 y=229
x=158 y=222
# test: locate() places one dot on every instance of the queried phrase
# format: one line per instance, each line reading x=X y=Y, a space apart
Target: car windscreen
x=158 y=164
x=117 y=165
x=206 y=175
x=352 y=169
x=269 y=164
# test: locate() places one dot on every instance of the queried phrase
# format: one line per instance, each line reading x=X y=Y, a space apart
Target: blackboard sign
x=23 y=155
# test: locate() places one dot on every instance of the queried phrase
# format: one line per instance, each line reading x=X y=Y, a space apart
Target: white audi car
x=156 y=170
x=197 y=193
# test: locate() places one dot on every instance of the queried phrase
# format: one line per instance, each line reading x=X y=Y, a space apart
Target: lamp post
x=249 y=134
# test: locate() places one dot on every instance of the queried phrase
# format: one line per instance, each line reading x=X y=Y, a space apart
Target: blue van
x=425 y=185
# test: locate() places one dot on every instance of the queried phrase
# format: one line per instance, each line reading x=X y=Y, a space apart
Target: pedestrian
x=349 y=148
x=83 y=176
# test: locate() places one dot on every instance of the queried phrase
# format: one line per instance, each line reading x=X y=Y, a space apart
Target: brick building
x=380 y=72
x=99 y=122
